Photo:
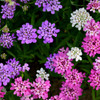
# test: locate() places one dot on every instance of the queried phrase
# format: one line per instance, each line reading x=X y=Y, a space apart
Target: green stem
x=93 y=94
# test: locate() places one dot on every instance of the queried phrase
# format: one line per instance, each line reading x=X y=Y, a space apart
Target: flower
x=47 y=31
x=49 y=5
x=61 y=62
x=25 y=1
x=21 y=88
x=75 y=53
x=97 y=64
x=41 y=88
x=8 y=10
x=1 y=93
x=79 y=18
x=27 y=34
x=91 y=45
x=92 y=28
x=4 y=74
x=14 y=67
x=94 y=79
x=93 y=5
x=25 y=67
x=74 y=78
x=70 y=93
x=6 y=40
x=42 y=74
x=49 y=63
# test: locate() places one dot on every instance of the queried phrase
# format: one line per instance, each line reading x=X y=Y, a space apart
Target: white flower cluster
x=79 y=18
x=42 y=74
x=75 y=53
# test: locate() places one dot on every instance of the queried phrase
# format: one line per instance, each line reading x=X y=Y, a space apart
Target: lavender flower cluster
x=49 y=5
x=11 y=69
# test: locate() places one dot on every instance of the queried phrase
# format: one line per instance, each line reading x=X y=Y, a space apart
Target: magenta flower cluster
x=8 y=11
x=1 y=93
x=94 y=78
x=93 y=5
x=35 y=90
x=49 y=5
x=91 y=43
x=61 y=62
x=27 y=34
x=92 y=28
x=6 y=40
x=47 y=30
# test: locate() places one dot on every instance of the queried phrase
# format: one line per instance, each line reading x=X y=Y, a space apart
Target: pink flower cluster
x=71 y=87
x=92 y=28
x=61 y=62
x=1 y=93
x=93 y=5
x=30 y=91
x=94 y=77
x=41 y=88
x=91 y=43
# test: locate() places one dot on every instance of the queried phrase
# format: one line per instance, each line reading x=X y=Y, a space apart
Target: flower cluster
x=74 y=78
x=92 y=28
x=14 y=67
x=49 y=5
x=11 y=69
x=61 y=62
x=75 y=53
x=41 y=88
x=49 y=63
x=91 y=45
x=70 y=93
x=79 y=18
x=6 y=40
x=42 y=74
x=8 y=10
x=27 y=34
x=47 y=31
x=94 y=77
x=1 y=93
x=22 y=88
x=25 y=1
x=93 y=5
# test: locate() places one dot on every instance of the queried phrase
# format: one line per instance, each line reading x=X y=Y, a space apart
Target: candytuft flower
x=75 y=53
x=27 y=34
x=6 y=40
x=47 y=30
x=42 y=74
x=49 y=5
x=79 y=18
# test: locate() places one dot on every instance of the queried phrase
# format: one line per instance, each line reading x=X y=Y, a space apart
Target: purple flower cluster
x=47 y=31
x=94 y=77
x=25 y=1
x=8 y=10
x=49 y=5
x=49 y=63
x=11 y=69
x=27 y=34
x=93 y=5
x=6 y=40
